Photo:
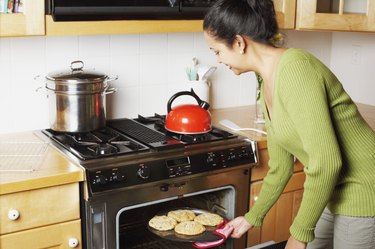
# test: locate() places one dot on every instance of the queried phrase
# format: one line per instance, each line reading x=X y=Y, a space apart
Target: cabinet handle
x=13 y=214
x=73 y=242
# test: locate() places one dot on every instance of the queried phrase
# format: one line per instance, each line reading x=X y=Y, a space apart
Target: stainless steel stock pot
x=77 y=99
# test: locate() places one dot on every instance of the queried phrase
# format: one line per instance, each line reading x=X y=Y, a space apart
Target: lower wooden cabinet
x=41 y=218
x=62 y=235
x=280 y=217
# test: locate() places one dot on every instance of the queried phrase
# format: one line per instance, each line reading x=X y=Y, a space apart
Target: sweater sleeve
x=278 y=175
x=303 y=92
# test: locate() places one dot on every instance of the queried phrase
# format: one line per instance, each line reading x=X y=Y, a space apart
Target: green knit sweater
x=314 y=120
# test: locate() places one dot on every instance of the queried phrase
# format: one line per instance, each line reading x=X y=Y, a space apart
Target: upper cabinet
x=285 y=13
x=121 y=27
x=30 y=22
x=336 y=15
x=329 y=15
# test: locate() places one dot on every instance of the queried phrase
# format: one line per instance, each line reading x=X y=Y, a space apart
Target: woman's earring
x=242 y=52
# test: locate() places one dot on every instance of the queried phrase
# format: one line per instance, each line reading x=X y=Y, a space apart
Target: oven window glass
x=133 y=230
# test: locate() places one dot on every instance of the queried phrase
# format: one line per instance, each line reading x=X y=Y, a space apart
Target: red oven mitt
x=222 y=231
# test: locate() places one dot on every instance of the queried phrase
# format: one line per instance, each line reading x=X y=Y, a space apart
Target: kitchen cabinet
x=120 y=27
x=41 y=218
x=280 y=217
x=30 y=22
x=333 y=15
x=39 y=209
x=285 y=13
x=336 y=15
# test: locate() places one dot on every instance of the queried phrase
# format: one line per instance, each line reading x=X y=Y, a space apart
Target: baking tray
x=206 y=236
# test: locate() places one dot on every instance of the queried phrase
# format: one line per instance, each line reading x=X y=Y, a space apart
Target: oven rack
x=21 y=156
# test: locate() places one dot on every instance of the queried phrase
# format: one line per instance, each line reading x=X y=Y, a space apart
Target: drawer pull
x=73 y=242
x=13 y=214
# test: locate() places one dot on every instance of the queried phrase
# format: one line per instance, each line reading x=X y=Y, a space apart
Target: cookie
x=189 y=228
x=162 y=223
x=181 y=215
x=209 y=219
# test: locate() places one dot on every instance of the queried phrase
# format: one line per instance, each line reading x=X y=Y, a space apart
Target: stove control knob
x=118 y=177
x=212 y=160
x=144 y=172
x=244 y=154
x=102 y=180
x=232 y=157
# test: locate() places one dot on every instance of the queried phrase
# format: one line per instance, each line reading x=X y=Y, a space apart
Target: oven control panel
x=173 y=166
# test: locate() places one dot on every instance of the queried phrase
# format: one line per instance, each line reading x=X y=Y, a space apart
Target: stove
x=124 y=153
x=135 y=168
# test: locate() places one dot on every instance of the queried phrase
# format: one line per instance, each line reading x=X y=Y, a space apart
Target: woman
x=308 y=116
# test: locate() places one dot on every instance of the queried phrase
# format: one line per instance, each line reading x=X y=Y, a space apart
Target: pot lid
x=76 y=74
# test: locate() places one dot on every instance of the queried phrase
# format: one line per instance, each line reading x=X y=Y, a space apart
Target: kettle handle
x=200 y=102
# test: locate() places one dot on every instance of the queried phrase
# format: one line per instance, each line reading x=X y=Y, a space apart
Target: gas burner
x=103 y=149
x=153 y=119
x=192 y=138
x=96 y=144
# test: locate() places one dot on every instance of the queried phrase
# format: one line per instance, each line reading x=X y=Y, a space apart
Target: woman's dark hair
x=253 y=18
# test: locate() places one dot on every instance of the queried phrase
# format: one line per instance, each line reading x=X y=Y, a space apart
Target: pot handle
x=200 y=102
x=38 y=79
x=112 y=79
x=110 y=90
x=77 y=65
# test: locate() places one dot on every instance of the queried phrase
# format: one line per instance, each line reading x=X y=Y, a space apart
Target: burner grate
x=138 y=131
x=144 y=134
x=96 y=144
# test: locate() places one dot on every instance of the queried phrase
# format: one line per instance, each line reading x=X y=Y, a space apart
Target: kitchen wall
x=151 y=67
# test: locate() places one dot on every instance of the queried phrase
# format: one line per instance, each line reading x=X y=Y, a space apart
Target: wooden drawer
x=63 y=235
x=39 y=207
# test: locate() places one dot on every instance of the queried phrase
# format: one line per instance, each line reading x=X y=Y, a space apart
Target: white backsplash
x=151 y=68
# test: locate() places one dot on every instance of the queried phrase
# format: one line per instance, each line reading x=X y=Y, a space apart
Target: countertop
x=56 y=169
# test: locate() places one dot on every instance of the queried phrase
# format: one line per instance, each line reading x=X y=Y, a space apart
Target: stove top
x=126 y=136
x=96 y=144
x=151 y=131
x=133 y=152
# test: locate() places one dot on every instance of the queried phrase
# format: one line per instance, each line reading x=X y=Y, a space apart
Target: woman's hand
x=240 y=226
x=295 y=244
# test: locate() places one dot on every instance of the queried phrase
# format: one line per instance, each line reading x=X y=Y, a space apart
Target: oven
x=151 y=171
x=119 y=219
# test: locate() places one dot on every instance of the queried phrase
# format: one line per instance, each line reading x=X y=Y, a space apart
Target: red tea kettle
x=188 y=118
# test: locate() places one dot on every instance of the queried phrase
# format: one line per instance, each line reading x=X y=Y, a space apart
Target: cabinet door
x=59 y=236
x=39 y=207
x=30 y=22
x=340 y=15
x=285 y=13
x=280 y=217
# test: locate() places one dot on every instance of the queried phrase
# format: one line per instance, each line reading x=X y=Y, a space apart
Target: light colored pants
x=343 y=232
